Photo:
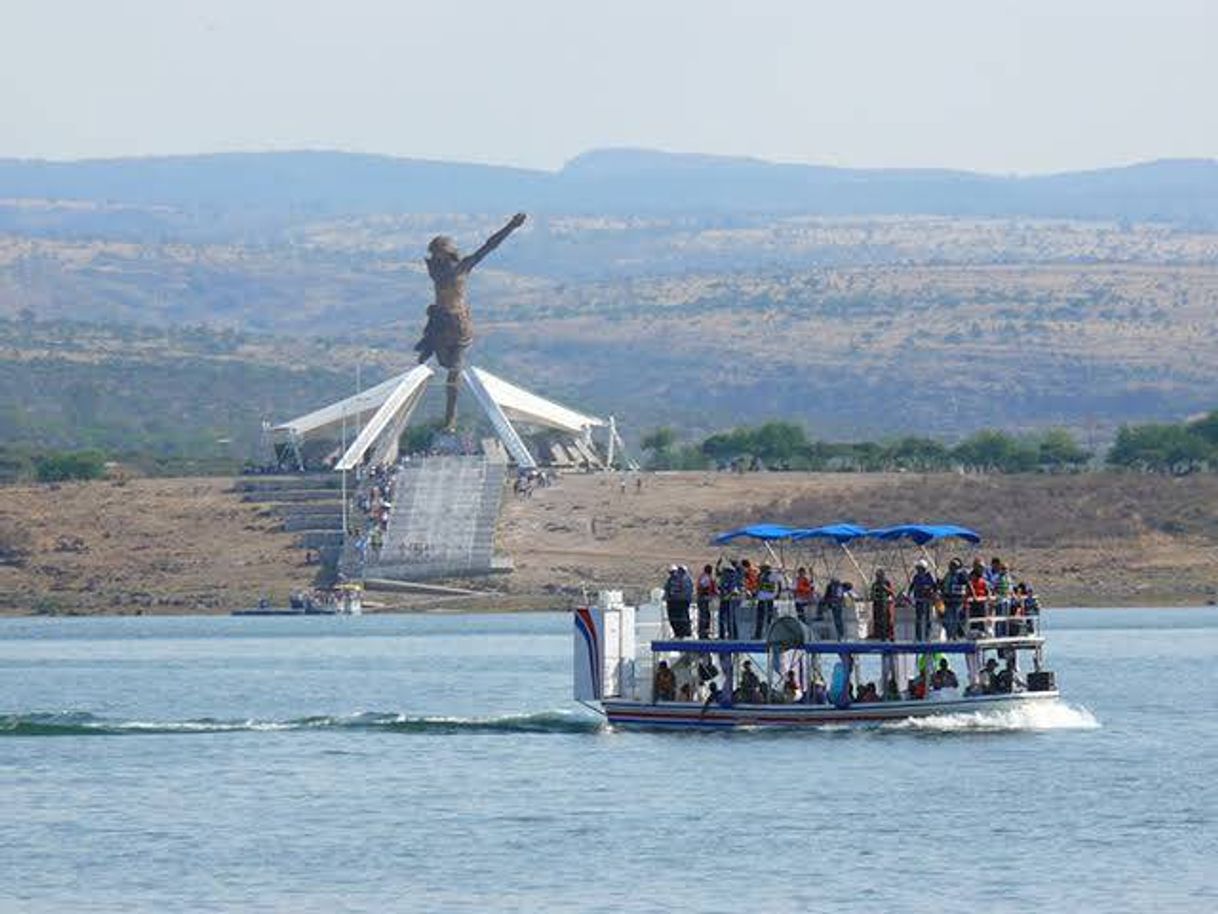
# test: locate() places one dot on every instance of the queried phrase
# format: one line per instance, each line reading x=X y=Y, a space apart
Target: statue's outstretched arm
x=468 y=263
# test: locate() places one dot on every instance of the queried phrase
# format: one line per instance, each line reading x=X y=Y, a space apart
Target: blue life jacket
x=672 y=587
x=924 y=585
x=955 y=585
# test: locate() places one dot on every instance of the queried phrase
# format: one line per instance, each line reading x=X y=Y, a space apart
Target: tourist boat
x=618 y=649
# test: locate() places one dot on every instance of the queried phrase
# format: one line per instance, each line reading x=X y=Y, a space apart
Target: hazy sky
x=1028 y=86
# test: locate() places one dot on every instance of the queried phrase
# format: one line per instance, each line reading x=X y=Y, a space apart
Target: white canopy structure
x=395 y=400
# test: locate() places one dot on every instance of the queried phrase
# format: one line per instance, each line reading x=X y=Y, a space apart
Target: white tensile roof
x=517 y=403
x=395 y=400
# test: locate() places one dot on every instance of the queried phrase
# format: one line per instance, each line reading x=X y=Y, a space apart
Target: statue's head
x=443 y=248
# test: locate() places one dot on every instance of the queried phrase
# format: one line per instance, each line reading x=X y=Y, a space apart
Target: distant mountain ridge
x=617 y=182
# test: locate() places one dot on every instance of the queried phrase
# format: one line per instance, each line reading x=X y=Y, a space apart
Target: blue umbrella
x=839 y=533
x=764 y=532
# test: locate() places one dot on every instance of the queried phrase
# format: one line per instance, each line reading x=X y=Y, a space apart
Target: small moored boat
x=342 y=600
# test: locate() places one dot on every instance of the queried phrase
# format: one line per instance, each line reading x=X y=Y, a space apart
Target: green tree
x=65 y=465
x=913 y=453
x=1160 y=448
x=780 y=442
x=662 y=439
x=14 y=465
x=660 y=443
x=1206 y=428
x=989 y=449
x=1057 y=449
x=725 y=447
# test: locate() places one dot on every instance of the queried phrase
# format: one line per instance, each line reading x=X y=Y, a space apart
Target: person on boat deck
x=978 y=598
x=769 y=586
x=1025 y=605
x=943 y=677
x=849 y=609
x=706 y=591
x=1007 y=679
x=883 y=600
x=678 y=593
x=832 y=601
x=1015 y=624
x=1002 y=588
x=954 y=588
x=664 y=688
x=980 y=567
x=1031 y=605
x=805 y=594
x=868 y=693
x=730 y=578
x=790 y=688
x=985 y=679
x=924 y=589
x=750 y=685
x=820 y=694
x=752 y=577
x=993 y=571
x=892 y=692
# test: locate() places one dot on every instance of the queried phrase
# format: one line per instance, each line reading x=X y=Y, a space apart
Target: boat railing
x=999 y=620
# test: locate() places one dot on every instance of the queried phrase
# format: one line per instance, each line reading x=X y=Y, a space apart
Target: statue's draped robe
x=450 y=328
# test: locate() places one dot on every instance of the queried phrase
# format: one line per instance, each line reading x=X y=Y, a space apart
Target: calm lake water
x=436 y=763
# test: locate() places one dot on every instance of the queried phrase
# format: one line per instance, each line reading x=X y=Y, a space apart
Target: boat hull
x=686 y=716
x=270 y=611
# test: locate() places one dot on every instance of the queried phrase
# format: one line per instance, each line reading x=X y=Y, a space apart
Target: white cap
x=672 y=568
x=921 y=563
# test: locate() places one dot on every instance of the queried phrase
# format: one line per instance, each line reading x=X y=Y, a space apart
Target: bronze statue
x=450 y=329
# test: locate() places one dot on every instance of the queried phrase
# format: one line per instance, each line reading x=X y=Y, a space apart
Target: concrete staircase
x=445 y=510
x=309 y=505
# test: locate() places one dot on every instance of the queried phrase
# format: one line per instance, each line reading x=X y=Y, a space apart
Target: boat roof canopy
x=839 y=533
x=925 y=533
x=842 y=533
x=765 y=532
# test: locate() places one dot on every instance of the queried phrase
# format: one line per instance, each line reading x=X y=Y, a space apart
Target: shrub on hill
x=1175 y=448
x=14 y=465
x=64 y=465
x=785 y=446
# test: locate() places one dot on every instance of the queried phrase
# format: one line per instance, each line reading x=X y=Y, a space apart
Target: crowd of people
x=983 y=600
x=750 y=688
x=374 y=502
x=529 y=481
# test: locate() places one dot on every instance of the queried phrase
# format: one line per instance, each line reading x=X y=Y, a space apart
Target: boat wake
x=1050 y=715
x=79 y=723
x=1054 y=715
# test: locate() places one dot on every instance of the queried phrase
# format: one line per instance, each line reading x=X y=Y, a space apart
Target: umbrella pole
x=854 y=562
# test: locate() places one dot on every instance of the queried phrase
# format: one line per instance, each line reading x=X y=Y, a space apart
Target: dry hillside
x=148 y=545
x=1093 y=539
x=191 y=545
